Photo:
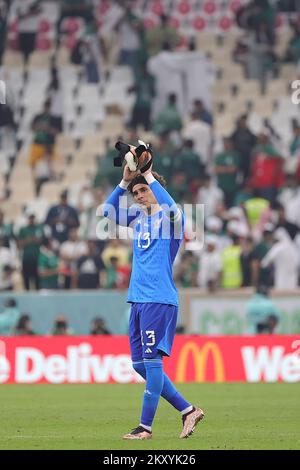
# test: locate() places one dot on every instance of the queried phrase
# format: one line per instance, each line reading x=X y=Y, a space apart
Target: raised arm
x=163 y=198
x=112 y=209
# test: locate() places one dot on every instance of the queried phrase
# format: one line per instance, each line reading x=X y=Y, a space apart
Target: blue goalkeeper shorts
x=151 y=330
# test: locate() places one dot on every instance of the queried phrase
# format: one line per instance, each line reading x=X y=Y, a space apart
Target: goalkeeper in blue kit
x=157 y=225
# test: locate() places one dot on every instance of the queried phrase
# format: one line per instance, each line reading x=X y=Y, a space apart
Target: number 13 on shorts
x=150 y=334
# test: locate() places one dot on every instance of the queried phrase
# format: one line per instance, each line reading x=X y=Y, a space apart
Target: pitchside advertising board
x=227 y=316
x=60 y=360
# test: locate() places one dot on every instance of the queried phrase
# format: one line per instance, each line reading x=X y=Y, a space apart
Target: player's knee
x=139 y=368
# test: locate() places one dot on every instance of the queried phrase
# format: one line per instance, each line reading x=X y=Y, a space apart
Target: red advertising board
x=106 y=359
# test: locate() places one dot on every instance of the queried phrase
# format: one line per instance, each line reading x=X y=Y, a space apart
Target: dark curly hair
x=141 y=180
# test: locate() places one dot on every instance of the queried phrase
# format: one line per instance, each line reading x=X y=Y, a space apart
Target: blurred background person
x=24 y=326
x=261 y=312
x=98 y=327
x=61 y=327
x=9 y=317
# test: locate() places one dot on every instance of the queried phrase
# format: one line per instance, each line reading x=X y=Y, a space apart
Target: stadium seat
x=13 y=27
x=235 y=5
x=43 y=43
x=157 y=8
x=103 y=7
x=62 y=57
x=210 y=7
x=225 y=23
x=184 y=7
x=70 y=41
x=44 y=26
x=149 y=23
x=199 y=23
x=50 y=191
x=12 y=59
x=71 y=25
x=40 y=58
x=175 y=22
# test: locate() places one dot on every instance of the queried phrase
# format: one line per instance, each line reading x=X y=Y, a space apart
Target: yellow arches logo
x=200 y=357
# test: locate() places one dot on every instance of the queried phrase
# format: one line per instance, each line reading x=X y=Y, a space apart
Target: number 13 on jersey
x=144 y=240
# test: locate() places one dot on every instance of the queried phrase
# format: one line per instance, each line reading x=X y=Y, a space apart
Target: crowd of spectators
x=248 y=182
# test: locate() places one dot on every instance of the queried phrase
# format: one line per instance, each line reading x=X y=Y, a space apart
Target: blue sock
x=154 y=386
x=169 y=392
x=173 y=396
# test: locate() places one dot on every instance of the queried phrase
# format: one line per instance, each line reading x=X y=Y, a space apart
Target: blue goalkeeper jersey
x=154 y=250
x=156 y=241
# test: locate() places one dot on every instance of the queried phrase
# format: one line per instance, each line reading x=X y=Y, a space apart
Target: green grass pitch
x=238 y=416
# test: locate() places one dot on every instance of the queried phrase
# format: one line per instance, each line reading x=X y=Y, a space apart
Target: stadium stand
x=84 y=67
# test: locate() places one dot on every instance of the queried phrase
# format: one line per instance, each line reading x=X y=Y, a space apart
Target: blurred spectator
x=92 y=53
x=210 y=265
x=169 y=119
x=55 y=94
x=42 y=150
x=227 y=164
x=116 y=276
x=283 y=255
x=24 y=326
x=28 y=12
x=129 y=29
x=98 y=327
x=262 y=275
x=7 y=266
x=214 y=226
x=61 y=218
x=8 y=137
x=163 y=33
x=256 y=209
x=90 y=268
x=253 y=13
x=48 y=265
x=6 y=229
x=107 y=174
x=29 y=240
x=75 y=8
x=116 y=249
x=210 y=195
x=87 y=53
x=201 y=112
x=144 y=89
x=3 y=22
x=247 y=257
x=261 y=313
x=9 y=317
x=180 y=330
x=70 y=252
x=292 y=53
x=200 y=133
x=294 y=150
x=61 y=327
x=288 y=197
x=164 y=153
x=89 y=229
x=243 y=193
x=178 y=186
x=188 y=162
x=232 y=276
x=186 y=270
x=291 y=228
x=267 y=169
x=243 y=142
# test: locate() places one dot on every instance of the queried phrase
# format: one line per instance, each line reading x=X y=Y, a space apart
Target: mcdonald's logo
x=200 y=356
